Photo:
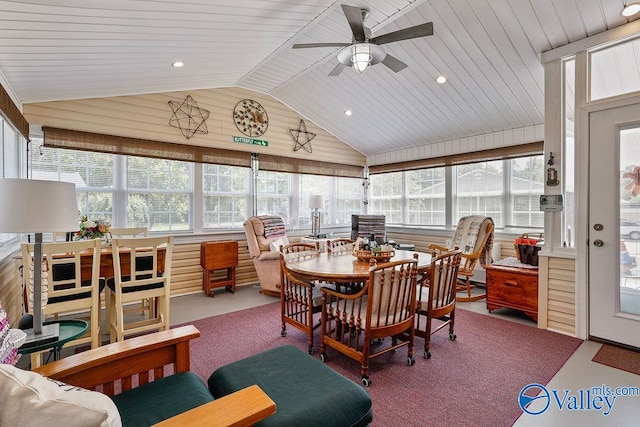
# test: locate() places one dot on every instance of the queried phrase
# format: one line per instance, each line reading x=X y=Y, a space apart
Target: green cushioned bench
x=306 y=392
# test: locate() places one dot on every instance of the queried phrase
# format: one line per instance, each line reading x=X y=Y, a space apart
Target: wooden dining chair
x=340 y=246
x=132 y=232
x=436 y=298
x=128 y=232
x=355 y=324
x=299 y=300
x=66 y=291
x=142 y=270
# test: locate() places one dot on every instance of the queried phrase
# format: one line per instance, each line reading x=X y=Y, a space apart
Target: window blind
x=88 y=141
x=522 y=150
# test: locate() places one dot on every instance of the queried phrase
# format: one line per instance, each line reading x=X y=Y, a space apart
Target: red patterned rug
x=474 y=380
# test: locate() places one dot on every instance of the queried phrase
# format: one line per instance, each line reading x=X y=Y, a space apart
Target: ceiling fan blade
x=395 y=64
x=421 y=30
x=307 y=45
x=337 y=69
x=354 y=17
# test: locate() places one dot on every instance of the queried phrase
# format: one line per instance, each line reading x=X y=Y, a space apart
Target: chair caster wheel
x=411 y=361
x=452 y=337
x=323 y=357
x=310 y=350
x=283 y=333
x=427 y=354
x=366 y=381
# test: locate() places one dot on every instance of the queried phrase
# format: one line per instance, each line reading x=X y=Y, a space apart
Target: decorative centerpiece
x=98 y=229
x=366 y=251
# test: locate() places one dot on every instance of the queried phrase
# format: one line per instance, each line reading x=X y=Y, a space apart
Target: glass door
x=614 y=225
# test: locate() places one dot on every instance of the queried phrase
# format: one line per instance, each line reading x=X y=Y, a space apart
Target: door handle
x=598 y=243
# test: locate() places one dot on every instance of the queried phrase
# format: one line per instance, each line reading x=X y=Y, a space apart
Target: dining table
x=347 y=268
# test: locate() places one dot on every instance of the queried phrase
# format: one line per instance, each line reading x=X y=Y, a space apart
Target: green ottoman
x=306 y=392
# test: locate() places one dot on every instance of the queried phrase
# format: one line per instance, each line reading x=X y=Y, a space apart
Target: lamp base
x=50 y=333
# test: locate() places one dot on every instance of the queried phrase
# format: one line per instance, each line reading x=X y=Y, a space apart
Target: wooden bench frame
x=118 y=363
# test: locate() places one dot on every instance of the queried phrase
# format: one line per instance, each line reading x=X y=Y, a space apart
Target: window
x=11 y=148
x=273 y=193
x=526 y=183
x=386 y=196
x=613 y=70
x=159 y=194
x=226 y=196
x=152 y=193
x=349 y=194
x=506 y=190
x=569 y=152
x=426 y=197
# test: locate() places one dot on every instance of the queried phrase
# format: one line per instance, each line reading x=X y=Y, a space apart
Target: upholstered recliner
x=265 y=234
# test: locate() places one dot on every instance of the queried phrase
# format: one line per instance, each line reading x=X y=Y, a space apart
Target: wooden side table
x=220 y=255
x=513 y=287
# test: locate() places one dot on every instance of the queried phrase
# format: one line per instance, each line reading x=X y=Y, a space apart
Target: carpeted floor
x=474 y=380
x=618 y=357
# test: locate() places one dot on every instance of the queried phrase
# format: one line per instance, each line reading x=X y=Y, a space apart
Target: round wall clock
x=250 y=117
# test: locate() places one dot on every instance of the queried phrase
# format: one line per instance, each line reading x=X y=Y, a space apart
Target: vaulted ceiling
x=489 y=50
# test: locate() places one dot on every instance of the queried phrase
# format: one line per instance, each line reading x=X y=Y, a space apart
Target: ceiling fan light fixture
x=631 y=9
x=361 y=56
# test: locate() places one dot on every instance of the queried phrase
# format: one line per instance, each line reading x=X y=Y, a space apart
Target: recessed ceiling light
x=441 y=79
x=348 y=112
x=631 y=9
x=178 y=64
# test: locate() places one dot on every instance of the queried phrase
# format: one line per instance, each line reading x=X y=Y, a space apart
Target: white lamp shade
x=316 y=201
x=34 y=206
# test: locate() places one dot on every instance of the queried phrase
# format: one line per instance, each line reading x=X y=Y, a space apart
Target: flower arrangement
x=93 y=229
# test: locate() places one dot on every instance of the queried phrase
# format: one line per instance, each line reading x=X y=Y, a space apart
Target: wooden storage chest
x=513 y=287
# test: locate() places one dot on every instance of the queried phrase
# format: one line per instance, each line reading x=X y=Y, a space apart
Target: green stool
x=306 y=392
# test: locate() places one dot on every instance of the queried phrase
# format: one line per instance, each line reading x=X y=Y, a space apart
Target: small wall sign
x=250 y=141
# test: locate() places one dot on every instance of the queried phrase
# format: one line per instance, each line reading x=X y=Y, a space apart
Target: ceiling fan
x=364 y=50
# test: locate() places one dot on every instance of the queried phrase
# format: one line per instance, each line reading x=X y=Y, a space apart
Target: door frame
x=606 y=320
x=583 y=195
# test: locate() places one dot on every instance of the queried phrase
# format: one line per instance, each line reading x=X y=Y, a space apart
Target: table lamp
x=33 y=206
x=316 y=202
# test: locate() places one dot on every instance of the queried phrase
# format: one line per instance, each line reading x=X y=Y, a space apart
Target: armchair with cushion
x=474 y=237
x=265 y=234
x=37 y=398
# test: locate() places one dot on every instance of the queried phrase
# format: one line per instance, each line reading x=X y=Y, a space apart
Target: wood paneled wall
x=557 y=295
x=11 y=289
x=147 y=117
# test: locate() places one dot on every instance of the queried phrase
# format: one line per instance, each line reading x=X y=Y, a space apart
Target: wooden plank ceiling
x=488 y=49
